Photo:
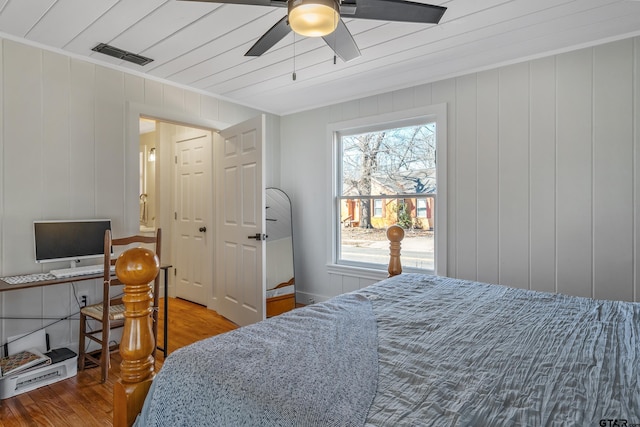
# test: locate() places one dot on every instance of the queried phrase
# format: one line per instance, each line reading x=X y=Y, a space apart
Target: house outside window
x=388 y=174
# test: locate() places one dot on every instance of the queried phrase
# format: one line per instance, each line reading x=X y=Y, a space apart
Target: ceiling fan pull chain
x=294 y=57
x=334 y=41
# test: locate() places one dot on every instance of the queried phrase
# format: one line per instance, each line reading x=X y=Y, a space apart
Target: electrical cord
x=57 y=319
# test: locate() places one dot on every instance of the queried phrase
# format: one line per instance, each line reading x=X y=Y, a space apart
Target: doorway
x=238 y=288
x=175 y=194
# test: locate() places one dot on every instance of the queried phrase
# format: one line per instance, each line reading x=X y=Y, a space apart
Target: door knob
x=202 y=229
x=259 y=236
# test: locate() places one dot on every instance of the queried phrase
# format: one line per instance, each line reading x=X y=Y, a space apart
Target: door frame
x=133 y=112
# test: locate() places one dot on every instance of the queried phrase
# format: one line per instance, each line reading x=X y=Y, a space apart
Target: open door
x=240 y=284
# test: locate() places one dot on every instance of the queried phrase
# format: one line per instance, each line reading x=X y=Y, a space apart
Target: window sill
x=370 y=272
x=361 y=272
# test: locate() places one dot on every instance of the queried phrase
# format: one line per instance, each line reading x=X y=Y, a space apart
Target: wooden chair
x=110 y=312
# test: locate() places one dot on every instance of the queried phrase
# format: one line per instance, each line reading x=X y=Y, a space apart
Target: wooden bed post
x=136 y=268
x=395 y=234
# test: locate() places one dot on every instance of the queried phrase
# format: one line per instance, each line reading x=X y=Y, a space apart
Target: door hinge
x=175 y=215
x=175 y=159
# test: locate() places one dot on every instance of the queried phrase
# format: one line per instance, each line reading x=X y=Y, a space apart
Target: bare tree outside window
x=397 y=168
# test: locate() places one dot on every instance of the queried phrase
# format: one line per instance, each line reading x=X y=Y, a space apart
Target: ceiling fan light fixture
x=313 y=18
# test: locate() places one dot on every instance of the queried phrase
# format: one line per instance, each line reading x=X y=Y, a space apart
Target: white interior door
x=240 y=200
x=194 y=248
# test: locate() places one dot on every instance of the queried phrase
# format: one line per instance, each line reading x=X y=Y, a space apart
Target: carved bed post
x=395 y=234
x=136 y=268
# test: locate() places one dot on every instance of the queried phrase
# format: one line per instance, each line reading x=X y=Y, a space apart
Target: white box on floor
x=15 y=384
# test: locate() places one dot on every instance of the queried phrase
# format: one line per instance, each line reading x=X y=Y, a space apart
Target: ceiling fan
x=323 y=18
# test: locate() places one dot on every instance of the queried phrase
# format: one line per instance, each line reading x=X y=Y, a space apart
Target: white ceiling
x=202 y=45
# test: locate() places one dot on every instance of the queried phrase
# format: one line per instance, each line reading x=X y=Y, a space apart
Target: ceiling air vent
x=122 y=54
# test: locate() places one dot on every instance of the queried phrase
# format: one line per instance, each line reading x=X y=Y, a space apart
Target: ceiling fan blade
x=270 y=38
x=392 y=10
x=276 y=3
x=342 y=43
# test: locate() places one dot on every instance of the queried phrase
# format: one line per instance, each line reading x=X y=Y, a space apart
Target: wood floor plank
x=11 y=413
x=82 y=401
x=49 y=410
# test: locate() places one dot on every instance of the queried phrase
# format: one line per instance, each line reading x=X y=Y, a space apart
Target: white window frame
x=396 y=119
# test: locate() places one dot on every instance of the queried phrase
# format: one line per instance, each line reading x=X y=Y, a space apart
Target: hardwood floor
x=82 y=400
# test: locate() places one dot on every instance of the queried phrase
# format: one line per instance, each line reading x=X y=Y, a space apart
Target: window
x=377 y=208
x=387 y=174
x=422 y=208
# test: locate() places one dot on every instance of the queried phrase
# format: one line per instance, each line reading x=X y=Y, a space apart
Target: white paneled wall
x=65 y=149
x=613 y=171
x=542 y=173
x=543 y=186
x=573 y=184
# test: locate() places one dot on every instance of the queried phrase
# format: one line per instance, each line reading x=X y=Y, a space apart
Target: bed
x=413 y=350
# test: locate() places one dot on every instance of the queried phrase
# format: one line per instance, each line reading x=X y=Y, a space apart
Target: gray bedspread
x=456 y=353
x=414 y=350
x=315 y=366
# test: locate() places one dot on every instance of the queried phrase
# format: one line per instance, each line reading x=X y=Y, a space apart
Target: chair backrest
x=110 y=243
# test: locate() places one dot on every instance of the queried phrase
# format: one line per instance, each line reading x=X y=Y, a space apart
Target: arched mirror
x=281 y=294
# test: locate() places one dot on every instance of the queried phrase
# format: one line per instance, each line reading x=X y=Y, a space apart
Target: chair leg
x=105 y=357
x=81 y=342
x=154 y=330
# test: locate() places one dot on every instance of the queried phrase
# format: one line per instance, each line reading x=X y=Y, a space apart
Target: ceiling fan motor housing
x=313 y=18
